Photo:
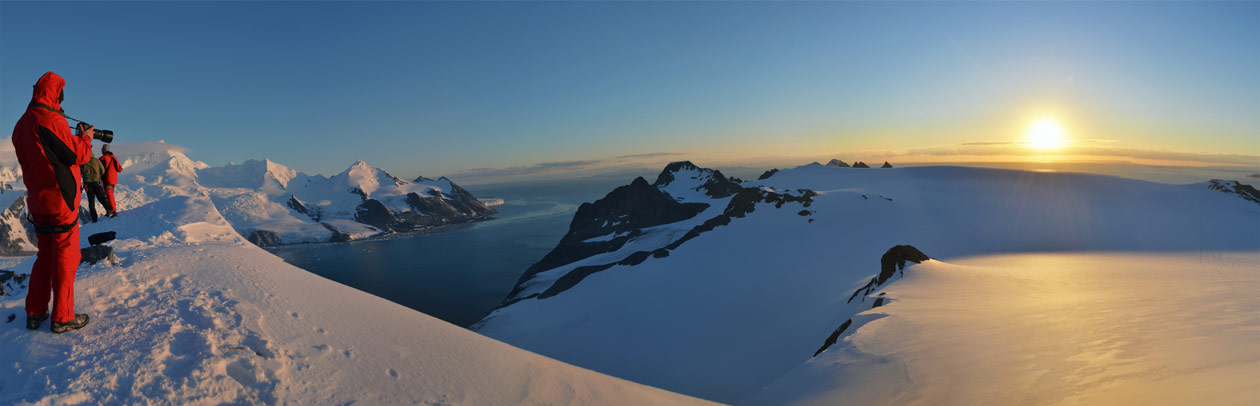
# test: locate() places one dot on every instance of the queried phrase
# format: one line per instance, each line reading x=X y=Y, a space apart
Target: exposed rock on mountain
x=373 y=213
x=767 y=174
x=1233 y=187
x=860 y=164
x=264 y=238
x=837 y=163
x=886 y=165
x=614 y=217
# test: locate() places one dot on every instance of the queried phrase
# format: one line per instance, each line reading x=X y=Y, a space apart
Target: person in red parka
x=110 y=177
x=50 y=156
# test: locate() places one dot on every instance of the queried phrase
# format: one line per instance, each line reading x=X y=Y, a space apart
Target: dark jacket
x=50 y=154
x=92 y=171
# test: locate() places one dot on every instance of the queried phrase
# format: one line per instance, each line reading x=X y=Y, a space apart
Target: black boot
x=33 y=321
x=76 y=323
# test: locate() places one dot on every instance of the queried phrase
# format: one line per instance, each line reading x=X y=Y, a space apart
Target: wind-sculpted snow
x=724 y=305
x=1049 y=328
x=193 y=314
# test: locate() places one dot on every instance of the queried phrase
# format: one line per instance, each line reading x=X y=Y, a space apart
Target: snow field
x=193 y=314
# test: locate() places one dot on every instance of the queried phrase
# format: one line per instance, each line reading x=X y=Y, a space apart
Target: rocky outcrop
x=837 y=163
x=893 y=261
x=620 y=213
x=297 y=206
x=886 y=165
x=860 y=164
x=264 y=238
x=374 y=213
x=1234 y=188
x=715 y=185
x=767 y=174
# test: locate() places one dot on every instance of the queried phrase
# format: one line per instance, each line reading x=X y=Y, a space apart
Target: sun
x=1045 y=134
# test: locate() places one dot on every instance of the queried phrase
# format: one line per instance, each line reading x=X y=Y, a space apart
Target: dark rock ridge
x=886 y=165
x=263 y=238
x=837 y=163
x=860 y=164
x=743 y=202
x=717 y=186
x=1234 y=188
x=297 y=206
x=621 y=213
x=767 y=174
x=740 y=205
x=893 y=261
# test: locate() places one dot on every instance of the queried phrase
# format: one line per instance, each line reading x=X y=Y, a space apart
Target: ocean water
x=457 y=273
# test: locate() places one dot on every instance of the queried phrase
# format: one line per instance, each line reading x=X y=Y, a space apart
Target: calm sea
x=458 y=273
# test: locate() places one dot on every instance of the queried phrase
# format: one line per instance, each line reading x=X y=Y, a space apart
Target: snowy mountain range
x=775 y=291
x=267 y=202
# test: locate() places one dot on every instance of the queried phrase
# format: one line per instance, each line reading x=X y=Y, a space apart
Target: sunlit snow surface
x=194 y=314
x=1052 y=328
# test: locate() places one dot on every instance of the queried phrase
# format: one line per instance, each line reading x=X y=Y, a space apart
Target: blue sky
x=450 y=88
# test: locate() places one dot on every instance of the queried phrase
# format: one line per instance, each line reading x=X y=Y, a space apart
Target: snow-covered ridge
x=725 y=302
x=273 y=204
x=194 y=314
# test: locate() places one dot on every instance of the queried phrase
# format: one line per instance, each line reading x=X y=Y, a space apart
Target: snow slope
x=194 y=314
x=1050 y=328
x=754 y=295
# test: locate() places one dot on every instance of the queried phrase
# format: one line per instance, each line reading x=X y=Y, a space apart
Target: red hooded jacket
x=110 y=163
x=50 y=154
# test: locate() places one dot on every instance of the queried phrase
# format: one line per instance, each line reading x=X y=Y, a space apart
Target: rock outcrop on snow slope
x=194 y=314
x=723 y=303
x=271 y=203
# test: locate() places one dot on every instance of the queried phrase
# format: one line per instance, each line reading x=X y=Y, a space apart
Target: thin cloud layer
x=1084 y=148
x=651 y=155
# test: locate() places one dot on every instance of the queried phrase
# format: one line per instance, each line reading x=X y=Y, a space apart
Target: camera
x=105 y=136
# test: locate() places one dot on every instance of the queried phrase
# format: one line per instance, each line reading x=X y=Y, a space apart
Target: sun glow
x=1045 y=134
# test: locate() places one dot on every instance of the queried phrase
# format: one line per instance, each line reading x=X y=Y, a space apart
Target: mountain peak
x=678 y=178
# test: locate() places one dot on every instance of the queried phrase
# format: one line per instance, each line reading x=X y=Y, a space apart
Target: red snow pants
x=53 y=274
x=109 y=191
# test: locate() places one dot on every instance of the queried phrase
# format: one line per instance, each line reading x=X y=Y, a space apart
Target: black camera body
x=105 y=136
